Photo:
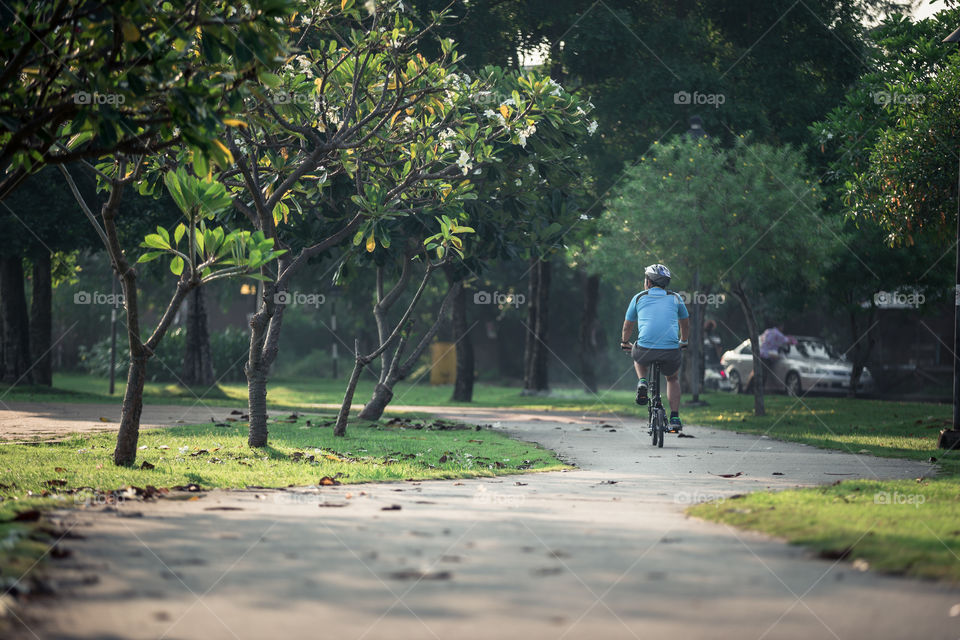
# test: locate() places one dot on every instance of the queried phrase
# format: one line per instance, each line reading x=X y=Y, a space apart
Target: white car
x=809 y=365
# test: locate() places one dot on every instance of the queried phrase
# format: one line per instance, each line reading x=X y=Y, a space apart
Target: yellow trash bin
x=443 y=356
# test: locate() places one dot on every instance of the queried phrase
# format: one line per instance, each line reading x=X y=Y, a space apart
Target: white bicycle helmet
x=658 y=274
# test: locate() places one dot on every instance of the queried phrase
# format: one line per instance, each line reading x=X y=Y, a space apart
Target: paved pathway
x=601 y=552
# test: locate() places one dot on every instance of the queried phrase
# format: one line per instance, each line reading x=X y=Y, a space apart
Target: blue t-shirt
x=657 y=315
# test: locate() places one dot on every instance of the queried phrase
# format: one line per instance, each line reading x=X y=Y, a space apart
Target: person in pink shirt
x=772 y=340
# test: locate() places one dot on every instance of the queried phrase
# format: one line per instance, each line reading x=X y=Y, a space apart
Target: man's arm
x=629 y=327
x=684 y=329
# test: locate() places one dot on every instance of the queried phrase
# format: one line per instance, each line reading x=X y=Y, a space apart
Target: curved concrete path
x=600 y=552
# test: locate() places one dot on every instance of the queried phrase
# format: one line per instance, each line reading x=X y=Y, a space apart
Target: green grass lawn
x=890 y=429
x=80 y=469
x=903 y=526
x=914 y=539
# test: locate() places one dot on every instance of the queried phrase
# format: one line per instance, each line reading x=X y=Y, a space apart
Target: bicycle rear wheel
x=661 y=427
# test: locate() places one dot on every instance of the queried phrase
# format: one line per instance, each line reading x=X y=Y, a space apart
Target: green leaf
x=178 y=233
x=150 y=255
x=155 y=241
x=271 y=80
x=176 y=265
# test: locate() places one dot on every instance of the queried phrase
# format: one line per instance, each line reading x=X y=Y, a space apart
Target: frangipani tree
x=360 y=108
x=83 y=79
x=200 y=251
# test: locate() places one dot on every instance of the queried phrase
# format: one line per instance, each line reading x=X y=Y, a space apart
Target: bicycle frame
x=658 y=417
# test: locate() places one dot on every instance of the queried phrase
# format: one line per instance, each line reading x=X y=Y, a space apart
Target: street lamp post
x=950 y=438
x=696 y=132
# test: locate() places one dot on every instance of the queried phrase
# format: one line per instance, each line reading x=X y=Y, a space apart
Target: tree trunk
x=125 y=453
x=696 y=342
x=588 y=333
x=535 y=349
x=463 y=384
x=382 y=395
x=265 y=328
x=41 y=323
x=257 y=381
x=341 y=427
x=863 y=342
x=750 y=317
x=257 y=408
x=16 y=330
x=197 y=359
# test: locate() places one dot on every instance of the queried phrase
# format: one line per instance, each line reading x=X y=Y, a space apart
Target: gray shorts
x=669 y=358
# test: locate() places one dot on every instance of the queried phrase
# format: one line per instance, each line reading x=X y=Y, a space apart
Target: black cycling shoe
x=675 y=425
x=642 y=394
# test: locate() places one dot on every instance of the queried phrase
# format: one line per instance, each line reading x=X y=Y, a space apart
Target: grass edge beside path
x=78 y=471
x=901 y=527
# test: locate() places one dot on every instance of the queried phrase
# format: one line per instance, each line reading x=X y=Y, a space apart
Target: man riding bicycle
x=664 y=324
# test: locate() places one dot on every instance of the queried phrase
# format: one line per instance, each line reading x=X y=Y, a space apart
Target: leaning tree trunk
x=758 y=375
x=383 y=393
x=340 y=429
x=535 y=349
x=41 y=324
x=463 y=383
x=197 y=359
x=361 y=361
x=588 y=333
x=13 y=311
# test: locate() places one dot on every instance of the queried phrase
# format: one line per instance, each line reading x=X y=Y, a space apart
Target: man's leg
x=673 y=392
x=641 y=382
x=641 y=370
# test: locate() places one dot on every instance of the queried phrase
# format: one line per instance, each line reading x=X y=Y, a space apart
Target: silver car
x=809 y=365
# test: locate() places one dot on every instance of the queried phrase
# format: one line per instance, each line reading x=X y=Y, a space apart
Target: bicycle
x=657 y=424
x=657 y=415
